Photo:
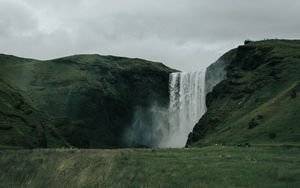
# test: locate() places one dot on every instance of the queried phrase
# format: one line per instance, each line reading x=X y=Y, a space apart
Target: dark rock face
x=257 y=91
x=217 y=72
x=91 y=98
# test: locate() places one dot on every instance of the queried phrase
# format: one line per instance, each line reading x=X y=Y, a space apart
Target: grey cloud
x=15 y=19
x=184 y=34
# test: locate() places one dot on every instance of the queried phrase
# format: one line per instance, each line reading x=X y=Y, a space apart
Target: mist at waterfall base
x=168 y=127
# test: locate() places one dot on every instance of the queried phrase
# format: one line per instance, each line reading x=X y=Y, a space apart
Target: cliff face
x=90 y=99
x=258 y=100
x=216 y=72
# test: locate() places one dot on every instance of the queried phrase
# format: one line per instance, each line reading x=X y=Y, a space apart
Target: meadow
x=212 y=166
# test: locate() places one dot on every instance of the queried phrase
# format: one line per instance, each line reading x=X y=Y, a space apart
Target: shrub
x=293 y=93
x=272 y=135
x=248 y=41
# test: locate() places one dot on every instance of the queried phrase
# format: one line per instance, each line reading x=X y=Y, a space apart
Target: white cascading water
x=187 y=105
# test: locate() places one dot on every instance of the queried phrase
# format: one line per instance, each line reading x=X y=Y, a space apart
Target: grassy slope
x=215 y=166
x=259 y=102
x=91 y=97
x=21 y=125
x=262 y=93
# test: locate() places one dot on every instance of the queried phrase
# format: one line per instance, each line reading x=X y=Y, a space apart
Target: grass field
x=214 y=166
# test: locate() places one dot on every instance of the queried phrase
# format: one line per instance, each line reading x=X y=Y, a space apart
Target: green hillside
x=88 y=101
x=258 y=101
x=21 y=125
x=91 y=99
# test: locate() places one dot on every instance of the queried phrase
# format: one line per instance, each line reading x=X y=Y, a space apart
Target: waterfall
x=158 y=126
x=187 y=105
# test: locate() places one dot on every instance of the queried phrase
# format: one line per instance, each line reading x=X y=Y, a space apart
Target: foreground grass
x=214 y=166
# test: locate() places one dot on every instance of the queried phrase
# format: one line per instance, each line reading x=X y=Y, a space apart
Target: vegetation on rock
x=258 y=100
x=90 y=99
x=21 y=125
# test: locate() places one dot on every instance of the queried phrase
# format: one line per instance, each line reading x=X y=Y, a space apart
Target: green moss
x=23 y=126
x=261 y=77
x=98 y=94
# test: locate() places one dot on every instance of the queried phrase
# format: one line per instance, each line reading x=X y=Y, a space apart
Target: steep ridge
x=258 y=100
x=91 y=98
x=21 y=125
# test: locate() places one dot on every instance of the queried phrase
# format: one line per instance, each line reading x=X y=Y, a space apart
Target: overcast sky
x=183 y=34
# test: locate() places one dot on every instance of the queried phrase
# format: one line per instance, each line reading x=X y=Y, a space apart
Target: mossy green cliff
x=258 y=100
x=89 y=99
